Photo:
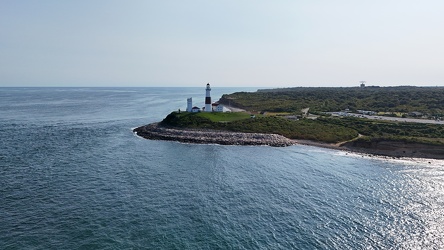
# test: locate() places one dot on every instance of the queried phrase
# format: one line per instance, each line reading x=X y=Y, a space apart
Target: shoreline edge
x=396 y=149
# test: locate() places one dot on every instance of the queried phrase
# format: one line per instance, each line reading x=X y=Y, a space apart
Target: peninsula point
x=278 y=117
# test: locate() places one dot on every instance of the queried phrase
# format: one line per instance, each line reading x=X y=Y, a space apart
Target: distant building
x=195 y=109
x=366 y=112
x=415 y=114
x=214 y=106
x=221 y=108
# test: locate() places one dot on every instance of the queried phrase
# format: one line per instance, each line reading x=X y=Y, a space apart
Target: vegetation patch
x=300 y=129
x=223 y=116
x=399 y=100
x=387 y=129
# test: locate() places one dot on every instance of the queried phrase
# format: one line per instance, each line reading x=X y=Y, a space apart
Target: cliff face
x=397 y=148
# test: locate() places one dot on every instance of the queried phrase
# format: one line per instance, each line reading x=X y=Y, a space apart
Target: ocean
x=74 y=176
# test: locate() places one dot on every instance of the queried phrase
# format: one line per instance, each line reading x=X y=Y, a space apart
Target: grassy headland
x=274 y=111
x=242 y=122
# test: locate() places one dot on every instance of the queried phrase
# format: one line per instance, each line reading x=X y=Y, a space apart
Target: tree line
x=426 y=100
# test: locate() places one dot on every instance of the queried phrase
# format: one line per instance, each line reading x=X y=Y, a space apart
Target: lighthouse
x=189 y=104
x=208 y=107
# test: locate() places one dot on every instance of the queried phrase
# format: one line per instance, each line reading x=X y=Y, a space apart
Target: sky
x=257 y=43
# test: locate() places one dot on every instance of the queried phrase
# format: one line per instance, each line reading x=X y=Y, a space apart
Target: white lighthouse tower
x=208 y=107
x=189 y=104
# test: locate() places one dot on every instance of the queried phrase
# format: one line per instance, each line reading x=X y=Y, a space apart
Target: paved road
x=397 y=119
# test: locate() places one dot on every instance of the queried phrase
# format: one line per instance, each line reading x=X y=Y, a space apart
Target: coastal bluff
x=395 y=148
x=155 y=131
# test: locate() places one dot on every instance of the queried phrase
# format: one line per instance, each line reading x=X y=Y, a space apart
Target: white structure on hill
x=189 y=104
x=209 y=107
x=221 y=108
x=195 y=110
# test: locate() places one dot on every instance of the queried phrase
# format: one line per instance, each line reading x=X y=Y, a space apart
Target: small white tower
x=189 y=104
x=208 y=107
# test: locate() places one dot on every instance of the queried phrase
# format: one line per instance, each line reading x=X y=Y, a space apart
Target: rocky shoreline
x=396 y=149
x=154 y=131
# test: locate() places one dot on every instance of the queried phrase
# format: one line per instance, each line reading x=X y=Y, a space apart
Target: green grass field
x=224 y=117
x=323 y=129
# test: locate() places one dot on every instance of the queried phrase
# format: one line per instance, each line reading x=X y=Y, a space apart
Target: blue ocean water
x=74 y=176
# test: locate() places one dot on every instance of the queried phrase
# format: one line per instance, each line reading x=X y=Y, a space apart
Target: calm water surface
x=74 y=176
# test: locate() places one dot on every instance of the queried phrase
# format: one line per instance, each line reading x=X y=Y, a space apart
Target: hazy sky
x=227 y=43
